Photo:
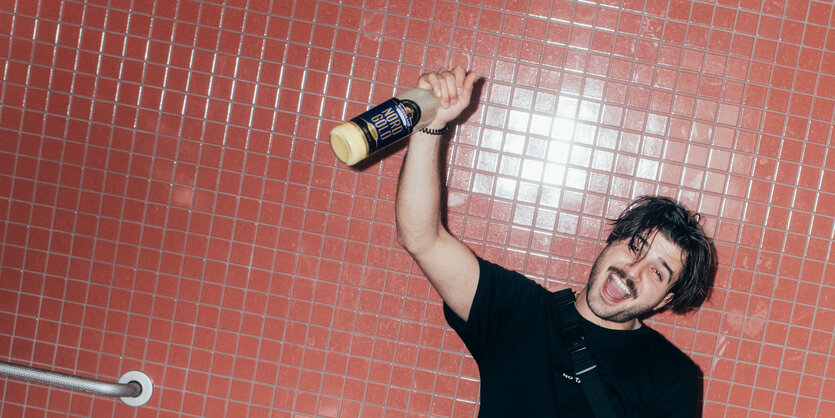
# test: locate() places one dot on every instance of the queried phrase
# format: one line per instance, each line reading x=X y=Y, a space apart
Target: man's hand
x=454 y=88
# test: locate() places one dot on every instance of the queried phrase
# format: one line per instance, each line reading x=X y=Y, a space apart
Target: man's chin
x=611 y=312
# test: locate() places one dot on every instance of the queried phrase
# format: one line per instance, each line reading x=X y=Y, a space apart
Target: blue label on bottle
x=387 y=123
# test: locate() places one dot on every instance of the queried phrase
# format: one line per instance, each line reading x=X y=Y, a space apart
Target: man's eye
x=658 y=273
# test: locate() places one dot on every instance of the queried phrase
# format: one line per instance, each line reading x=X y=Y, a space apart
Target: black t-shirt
x=514 y=336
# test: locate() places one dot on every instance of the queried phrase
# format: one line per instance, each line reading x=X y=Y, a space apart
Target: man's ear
x=660 y=306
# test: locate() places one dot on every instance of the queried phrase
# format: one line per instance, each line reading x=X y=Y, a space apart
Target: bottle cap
x=348 y=143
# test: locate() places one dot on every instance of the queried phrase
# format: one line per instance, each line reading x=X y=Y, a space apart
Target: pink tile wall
x=170 y=202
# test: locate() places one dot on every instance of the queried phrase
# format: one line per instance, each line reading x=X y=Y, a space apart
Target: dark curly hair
x=649 y=214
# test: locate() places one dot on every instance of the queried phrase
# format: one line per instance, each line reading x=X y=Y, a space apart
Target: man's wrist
x=435 y=131
x=436 y=125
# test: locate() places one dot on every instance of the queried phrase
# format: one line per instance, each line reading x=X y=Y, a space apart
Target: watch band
x=441 y=131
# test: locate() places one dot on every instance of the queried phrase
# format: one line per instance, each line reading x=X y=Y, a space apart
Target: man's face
x=630 y=280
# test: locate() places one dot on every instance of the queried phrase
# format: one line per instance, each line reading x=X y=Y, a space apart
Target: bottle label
x=388 y=122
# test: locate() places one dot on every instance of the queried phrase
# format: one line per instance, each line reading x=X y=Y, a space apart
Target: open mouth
x=616 y=288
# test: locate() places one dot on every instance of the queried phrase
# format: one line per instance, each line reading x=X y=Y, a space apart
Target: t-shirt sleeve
x=681 y=397
x=502 y=297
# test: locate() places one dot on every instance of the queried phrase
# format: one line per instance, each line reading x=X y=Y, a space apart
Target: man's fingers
x=466 y=90
x=460 y=77
x=452 y=87
x=449 y=79
x=470 y=81
x=443 y=85
x=433 y=82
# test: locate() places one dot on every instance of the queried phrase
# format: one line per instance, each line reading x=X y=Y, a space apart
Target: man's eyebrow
x=667 y=266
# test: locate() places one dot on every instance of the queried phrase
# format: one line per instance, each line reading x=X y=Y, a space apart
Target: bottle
x=383 y=125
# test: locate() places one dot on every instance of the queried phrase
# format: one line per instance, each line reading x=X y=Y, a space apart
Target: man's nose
x=637 y=270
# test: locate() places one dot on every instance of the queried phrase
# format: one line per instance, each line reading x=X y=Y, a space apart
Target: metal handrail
x=134 y=387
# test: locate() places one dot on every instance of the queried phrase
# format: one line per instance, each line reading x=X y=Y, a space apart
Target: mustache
x=629 y=282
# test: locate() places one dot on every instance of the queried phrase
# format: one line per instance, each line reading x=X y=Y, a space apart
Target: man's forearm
x=417 y=207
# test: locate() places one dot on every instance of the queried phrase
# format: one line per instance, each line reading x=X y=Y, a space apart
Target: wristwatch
x=436 y=131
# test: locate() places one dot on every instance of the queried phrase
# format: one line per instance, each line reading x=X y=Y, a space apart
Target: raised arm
x=450 y=266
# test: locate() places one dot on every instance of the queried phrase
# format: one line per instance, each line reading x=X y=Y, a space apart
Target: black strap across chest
x=585 y=370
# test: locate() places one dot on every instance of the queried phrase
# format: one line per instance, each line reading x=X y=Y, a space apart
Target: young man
x=657 y=257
